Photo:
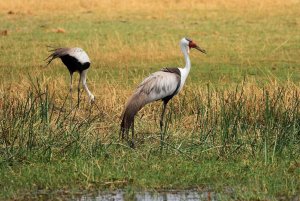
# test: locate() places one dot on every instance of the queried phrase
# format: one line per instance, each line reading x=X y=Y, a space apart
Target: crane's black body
x=73 y=64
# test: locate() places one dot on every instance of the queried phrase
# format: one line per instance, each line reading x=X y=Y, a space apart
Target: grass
x=235 y=124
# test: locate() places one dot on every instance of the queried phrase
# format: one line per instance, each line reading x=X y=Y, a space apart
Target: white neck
x=184 y=50
x=184 y=71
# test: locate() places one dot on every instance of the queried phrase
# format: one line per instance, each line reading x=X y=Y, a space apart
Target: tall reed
x=245 y=121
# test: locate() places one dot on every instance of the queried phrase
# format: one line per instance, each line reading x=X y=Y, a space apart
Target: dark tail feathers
x=134 y=104
x=56 y=53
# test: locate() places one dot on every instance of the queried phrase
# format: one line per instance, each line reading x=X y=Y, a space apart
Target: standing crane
x=76 y=60
x=161 y=85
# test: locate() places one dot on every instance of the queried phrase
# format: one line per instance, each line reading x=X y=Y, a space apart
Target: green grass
x=235 y=125
x=248 y=180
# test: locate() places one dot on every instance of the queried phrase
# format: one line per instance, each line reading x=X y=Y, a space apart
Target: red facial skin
x=192 y=44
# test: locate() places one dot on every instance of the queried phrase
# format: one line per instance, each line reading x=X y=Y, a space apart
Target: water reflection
x=187 y=195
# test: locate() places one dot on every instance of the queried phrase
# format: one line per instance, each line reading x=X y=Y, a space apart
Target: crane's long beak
x=200 y=49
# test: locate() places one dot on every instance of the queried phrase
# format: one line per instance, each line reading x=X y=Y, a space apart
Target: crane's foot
x=131 y=144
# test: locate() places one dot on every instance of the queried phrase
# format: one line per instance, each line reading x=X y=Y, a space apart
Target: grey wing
x=159 y=85
x=79 y=54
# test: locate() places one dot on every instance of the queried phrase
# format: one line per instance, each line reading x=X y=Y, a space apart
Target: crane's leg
x=161 y=122
x=71 y=89
x=132 y=130
x=78 y=90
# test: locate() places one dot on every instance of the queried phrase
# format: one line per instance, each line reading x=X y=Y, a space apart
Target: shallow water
x=186 y=195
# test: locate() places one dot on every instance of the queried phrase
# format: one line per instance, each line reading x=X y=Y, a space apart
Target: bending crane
x=76 y=60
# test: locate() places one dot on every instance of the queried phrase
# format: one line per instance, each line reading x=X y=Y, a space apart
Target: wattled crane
x=161 y=85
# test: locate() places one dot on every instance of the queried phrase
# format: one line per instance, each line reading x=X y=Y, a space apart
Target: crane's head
x=188 y=43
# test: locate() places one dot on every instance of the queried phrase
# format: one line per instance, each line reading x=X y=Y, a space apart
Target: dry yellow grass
x=110 y=100
x=112 y=7
x=115 y=53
